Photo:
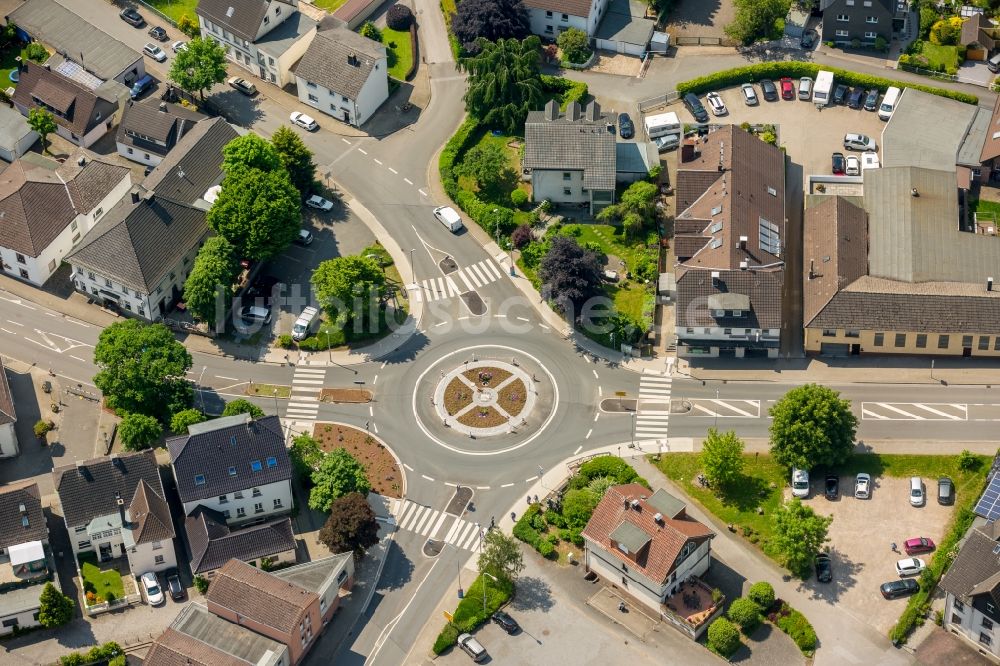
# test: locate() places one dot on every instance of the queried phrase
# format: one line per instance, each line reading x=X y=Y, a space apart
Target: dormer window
x=622 y=548
x=266 y=20
x=199 y=479
x=232 y=471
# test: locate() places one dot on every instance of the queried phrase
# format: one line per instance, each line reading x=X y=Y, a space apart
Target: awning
x=25 y=553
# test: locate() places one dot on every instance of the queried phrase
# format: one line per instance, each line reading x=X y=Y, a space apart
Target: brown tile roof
x=762 y=287
x=571 y=7
x=243 y=19
x=836 y=251
x=666 y=539
x=89 y=183
x=150 y=516
x=7 y=413
x=79 y=108
x=991 y=147
x=975 y=30
x=260 y=596
x=12 y=528
x=174 y=648
x=340 y=60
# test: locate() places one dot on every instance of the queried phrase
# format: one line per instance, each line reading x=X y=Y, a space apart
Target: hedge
x=524 y=530
x=567 y=89
x=798 y=628
x=414 y=50
x=794 y=69
x=469 y=614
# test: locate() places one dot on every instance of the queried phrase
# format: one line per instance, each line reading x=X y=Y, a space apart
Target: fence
x=661 y=100
x=700 y=41
x=161 y=14
x=927 y=72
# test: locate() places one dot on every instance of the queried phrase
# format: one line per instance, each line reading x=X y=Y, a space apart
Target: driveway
x=700 y=18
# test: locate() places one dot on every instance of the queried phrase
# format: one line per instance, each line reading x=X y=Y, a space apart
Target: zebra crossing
x=303 y=404
x=653 y=423
x=428 y=522
x=468 y=278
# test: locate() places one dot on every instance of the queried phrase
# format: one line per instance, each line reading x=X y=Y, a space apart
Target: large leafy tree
x=490 y=20
x=305 y=454
x=338 y=474
x=574 y=44
x=635 y=210
x=250 y=150
x=489 y=165
x=242 y=406
x=200 y=66
x=259 y=212
x=43 y=122
x=755 y=19
x=180 y=421
x=351 y=526
x=812 y=426
x=346 y=286
x=570 y=274
x=138 y=431
x=208 y=290
x=722 y=458
x=799 y=533
x=501 y=556
x=295 y=157
x=142 y=369
x=504 y=82
x=54 y=608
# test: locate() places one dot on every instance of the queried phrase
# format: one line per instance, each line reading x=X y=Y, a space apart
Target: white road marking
x=531 y=479
x=482 y=487
x=79 y=359
x=232 y=379
x=375 y=428
x=578 y=449
x=597 y=416
x=916 y=417
x=738 y=411
x=374 y=380
x=507 y=485
x=9 y=321
x=873 y=415
x=345 y=141
x=449 y=483
x=371 y=410
x=408 y=468
x=595 y=374
x=600 y=390
x=78 y=323
x=544 y=326
x=393 y=170
x=522 y=319
x=377 y=161
x=362 y=151
x=427 y=477
x=384 y=363
x=408 y=181
x=8 y=332
x=422 y=192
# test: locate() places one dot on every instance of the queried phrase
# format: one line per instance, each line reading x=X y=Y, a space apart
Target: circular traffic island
x=484 y=398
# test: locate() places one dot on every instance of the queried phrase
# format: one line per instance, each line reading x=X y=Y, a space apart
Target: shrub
x=285 y=341
x=180 y=421
x=795 y=624
x=399 y=17
x=578 y=505
x=525 y=531
x=745 y=613
x=521 y=236
x=449 y=634
x=881 y=44
x=567 y=89
x=575 y=45
x=36 y=52
x=42 y=427
x=188 y=26
x=201 y=584
x=967 y=461
x=609 y=466
x=519 y=197
x=762 y=594
x=723 y=637
x=369 y=30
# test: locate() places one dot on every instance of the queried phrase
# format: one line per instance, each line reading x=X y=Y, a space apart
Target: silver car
x=863 y=486
x=749 y=94
x=805 y=88
x=472 y=647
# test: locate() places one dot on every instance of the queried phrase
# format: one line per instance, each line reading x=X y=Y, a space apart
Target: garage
x=834 y=349
x=624 y=29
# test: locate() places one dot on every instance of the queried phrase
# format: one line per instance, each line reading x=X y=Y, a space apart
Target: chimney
x=989 y=284
x=914 y=193
x=48 y=67
x=593 y=112
x=22 y=66
x=635 y=505
x=121 y=509
x=743 y=242
x=81 y=161
x=135 y=197
x=163 y=107
x=353 y=61
x=573 y=112
x=551 y=110
x=812 y=269
x=658 y=518
x=744 y=265
x=716 y=278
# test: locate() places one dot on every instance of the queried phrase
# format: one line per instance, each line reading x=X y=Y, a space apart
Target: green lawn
x=980 y=206
x=175 y=9
x=7 y=65
x=97 y=581
x=397 y=44
x=514 y=160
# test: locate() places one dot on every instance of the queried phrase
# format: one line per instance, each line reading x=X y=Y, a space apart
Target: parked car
x=787 y=88
x=824 y=568
x=132 y=17
x=917 y=497
x=863 y=486
x=899 y=588
x=871 y=100
x=859 y=142
x=142 y=84
x=243 y=86
x=154 y=52
x=800 y=482
x=946 y=491
x=769 y=89
x=304 y=238
x=304 y=121
x=853 y=166
x=918 y=545
x=174 y=584
x=506 y=622
x=319 y=203
x=626 y=128
x=694 y=105
x=447 y=216
x=472 y=647
x=805 y=88
x=178 y=46
x=808 y=40
x=855 y=98
x=158 y=33
x=831 y=486
x=715 y=103
x=840 y=94
x=910 y=566
x=256 y=314
x=749 y=94
x=667 y=142
x=838 y=164
x=151 y=586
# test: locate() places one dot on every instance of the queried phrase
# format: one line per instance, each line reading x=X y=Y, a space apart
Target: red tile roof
x=260 y=596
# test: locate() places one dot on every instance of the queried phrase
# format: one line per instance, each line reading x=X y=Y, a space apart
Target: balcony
x=691 y=606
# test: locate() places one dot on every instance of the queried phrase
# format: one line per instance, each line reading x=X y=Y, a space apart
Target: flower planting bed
x=380 y=465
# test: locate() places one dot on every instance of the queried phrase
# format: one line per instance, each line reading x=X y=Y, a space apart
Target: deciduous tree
x=489 y=165
x=798 y=534
x=570 y=274
x=43 y=122
x=54 y=608
x=138 y=431
x=578 y=505
x=501 y=556
x=636 y=210
x=348 y=286
x=351 y=526
x=199 y=66
x=296 y=158
x=490 y=20
x=259 y=212
x=208 y=290
x=242 y=406
x=504 y=82
x=722 y=458
x=250 y=151
x=755 y=19
x=574 y=44
x=180 y=421
x=339 y=473
x=305 y=454
x=812 y=426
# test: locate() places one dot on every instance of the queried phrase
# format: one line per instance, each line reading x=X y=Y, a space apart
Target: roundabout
x=485 y=398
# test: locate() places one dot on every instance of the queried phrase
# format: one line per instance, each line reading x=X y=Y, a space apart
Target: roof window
x=256 y=466
x=199 y=479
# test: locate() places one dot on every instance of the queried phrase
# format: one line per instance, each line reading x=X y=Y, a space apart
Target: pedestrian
x=621 y=606
x=493 y=522
x=895 y=549
x=513 y=516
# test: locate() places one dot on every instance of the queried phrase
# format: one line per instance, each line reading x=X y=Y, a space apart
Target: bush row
x=470 y=613
x=524 y=530
x=775 y=70
x=798 y=628
x=414 y=51
x=109 y=652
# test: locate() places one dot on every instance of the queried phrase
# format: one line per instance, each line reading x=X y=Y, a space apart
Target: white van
x=303 y=325
x=662 y=124
x=447 y=216
x=889 y=103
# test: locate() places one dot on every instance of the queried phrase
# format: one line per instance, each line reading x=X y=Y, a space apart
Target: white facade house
x=150 y=129
x=343 y=74
x=82 y=115
x=8 y=418
x=972 y=590
x=548 y=18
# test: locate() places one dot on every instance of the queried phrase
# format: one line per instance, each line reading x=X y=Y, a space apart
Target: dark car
x=899 y=588
x=808 y=39
x=769 y=89
x=838 y=164
x=824 y=568
x=174 y=585
x=855 y=98
x=506 y=622
x=132 y=17
x=832 y=486
x=946 y=491
x=787 y=88
x=871 y=100
x=840 y=94
x=694 y=105
x=625 y=127
x=263 y=287
x=158 y=34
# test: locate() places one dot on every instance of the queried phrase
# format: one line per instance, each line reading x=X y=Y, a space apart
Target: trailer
x=823 y=88
x=661 y=124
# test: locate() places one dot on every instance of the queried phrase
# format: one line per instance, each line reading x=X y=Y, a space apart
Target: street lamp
x=716 y=410
x=275 y=394
x=484 y=587
x=413 y=269
x=496 y=224
x=633 y=428
x=329 y=349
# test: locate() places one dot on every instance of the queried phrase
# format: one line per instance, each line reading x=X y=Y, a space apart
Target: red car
x=918 y=545
x=787 y=88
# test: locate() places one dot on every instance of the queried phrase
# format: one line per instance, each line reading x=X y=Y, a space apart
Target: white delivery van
x=889 y=103
x=447 y=216
x=662 y=124
x=304 y=324
x=823 y=88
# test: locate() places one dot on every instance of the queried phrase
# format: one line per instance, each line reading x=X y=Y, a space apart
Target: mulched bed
x=380 y=466
x=497 y=376
x=352 y=395
x=482 y=417
x=457 y=396
x=512 y=397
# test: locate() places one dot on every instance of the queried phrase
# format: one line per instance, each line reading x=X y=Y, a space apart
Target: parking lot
x=862 y=557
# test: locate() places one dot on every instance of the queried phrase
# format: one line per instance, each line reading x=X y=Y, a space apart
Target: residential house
x=16 y=138
x=645 y=543
x=571 y=156
x=48 y=207
x=8 y=418
x=729 y=244
x=196 y=637
x=549 y=18
x=213 y=543
x=917 y=283
x=151 y=128
x=194 y=166
x=82 y=115
x=114 y=506
x=624 y=28
x=82 y=51
x=343 y=74
x=988 y=158
x=265 y=37
x=865 y=21
x=972 y=590
x=24 y=534
x=978 y=36
x=235 y=465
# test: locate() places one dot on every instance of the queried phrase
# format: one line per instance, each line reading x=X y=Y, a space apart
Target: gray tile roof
x=975 y=564
x=763 y=287
x=836 y=251
x=138 y=244
x=213 y=544
x=155 y=126
x=149 y=516
x=13 y=127
x=65 y=31
x=175 y=648
x=243 y=18
x=75 y=107
x=341 y=60
x=281 y=38
x=975 y=139
x=665 y=503
x=229 y=638
x=573 y=145
x=12 y=528
x=230 y=447
x=88 y=489
x=915 y=135
x=314 y=576
x=7 y=412
x=195 y=163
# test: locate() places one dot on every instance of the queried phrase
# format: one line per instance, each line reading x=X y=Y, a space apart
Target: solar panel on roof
x=74 y=71
x=988 y=505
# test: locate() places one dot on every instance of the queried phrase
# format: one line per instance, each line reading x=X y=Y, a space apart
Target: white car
x=859 y=142
x=863 y=486
x=917 y=495
x=800 y=482
x=715 y=102
x=749 y=94
x=319 y=203
x=154 y=595
x=179 y=46
x=154 y=52
x=853 y=166
x=910 y=566
x=304 y=121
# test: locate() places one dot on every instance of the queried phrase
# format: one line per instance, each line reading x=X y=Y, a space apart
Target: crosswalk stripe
x=414 y=517
x=301 y=370
x=452 y=288
x=466 y=280
x=471 y=541
x=404 y=506
x=307 y=405
x=493 y=268
x=480 y=273
x=467 y=271
x=916 y=417
x=420 y=525
x=460 y=539
x=653 y=417
x=451 y=532
x=412 y=510
x=311 y=397
x=437 y=525
x=300 y=413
